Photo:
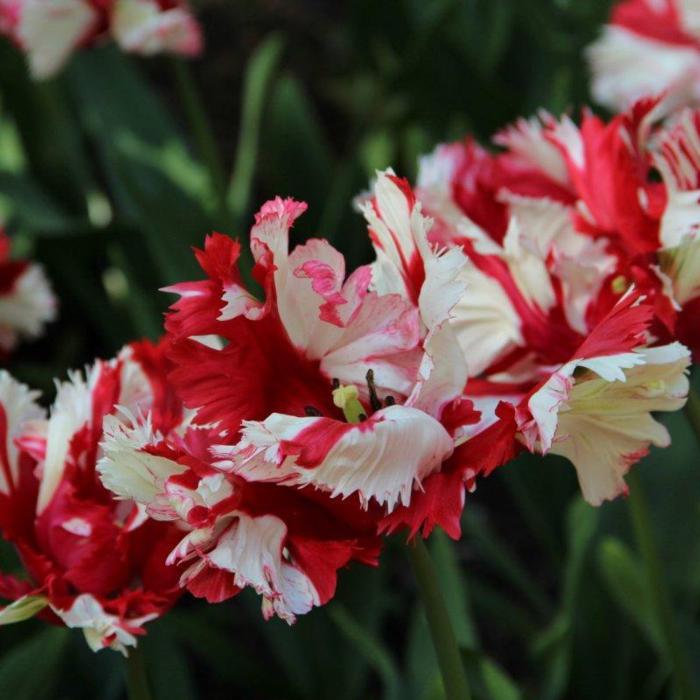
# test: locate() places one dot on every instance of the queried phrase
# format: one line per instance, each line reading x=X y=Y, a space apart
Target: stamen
x=347 y=399
x=619 y=284
x=312 y=411
x=374 y=400
x=389 y=401
x=335 y=383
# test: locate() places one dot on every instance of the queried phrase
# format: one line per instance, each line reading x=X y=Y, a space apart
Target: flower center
x=347 y=398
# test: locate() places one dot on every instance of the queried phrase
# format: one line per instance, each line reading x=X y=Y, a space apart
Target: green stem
x=136 y=678
x=692 y=411
x=202 y=132
x=444 y=640
x=660 y=597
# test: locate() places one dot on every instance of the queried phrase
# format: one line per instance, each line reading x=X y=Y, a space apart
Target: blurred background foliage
x=108 y=175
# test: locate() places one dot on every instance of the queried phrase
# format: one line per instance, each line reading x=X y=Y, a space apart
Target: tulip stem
x=661 y=601
x=692 y=411
x=136 y=678
x=441 y=630
x=202 y=132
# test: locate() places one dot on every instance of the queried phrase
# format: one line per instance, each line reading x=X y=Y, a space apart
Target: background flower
x=27 y=302
x=648 y=47
x=49 y=31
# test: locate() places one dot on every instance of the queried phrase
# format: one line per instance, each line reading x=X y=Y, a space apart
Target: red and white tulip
x=89 y=561
x=27 y=302
x=648 y=47
x=330 y=404
x=50 y=31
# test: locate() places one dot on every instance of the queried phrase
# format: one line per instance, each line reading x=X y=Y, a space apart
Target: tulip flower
x=50 y=31
x=27 y=302
x=89 y=561
x=648 y=47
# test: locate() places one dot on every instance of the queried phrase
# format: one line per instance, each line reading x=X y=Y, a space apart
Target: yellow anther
x=619 y=284
x=655 y=388
x=347 y=399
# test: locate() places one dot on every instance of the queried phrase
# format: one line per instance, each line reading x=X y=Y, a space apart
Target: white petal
x=101 y=629
x=392 y=220
x=485 y=321
x=130 y=472
x=380 y=459
x=528 y=267
x=442 y=374
x=251 y=549
x=20 y=410
x=682 y=266
x=71 y=410
x=627 y=66
x=399 y=232
x=443 y=287
x=143 y=27
x=28 y=307
x=526 y=139
x=50 y=30
x=603 y=423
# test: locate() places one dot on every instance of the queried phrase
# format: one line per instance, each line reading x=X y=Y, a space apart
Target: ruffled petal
x=379 y=459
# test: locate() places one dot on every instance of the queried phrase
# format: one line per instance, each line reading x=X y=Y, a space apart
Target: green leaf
x=554 y=646
x=423 y=678
x=377 y=150
x=158 y=188
x=130 y=292
x=31 y=669
x=224 y=653
x=582 y=523
x=372 y=649
x=541 y=521
x=501 y=610
x=32 y=209
x=294 y=137
x=487 y=680
x=51 y=141
x=498 y=684
x=170 y=675
x=501 y=558
x=258 y=76
x=484 y=42
x=367 y=597
x=626 y=583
